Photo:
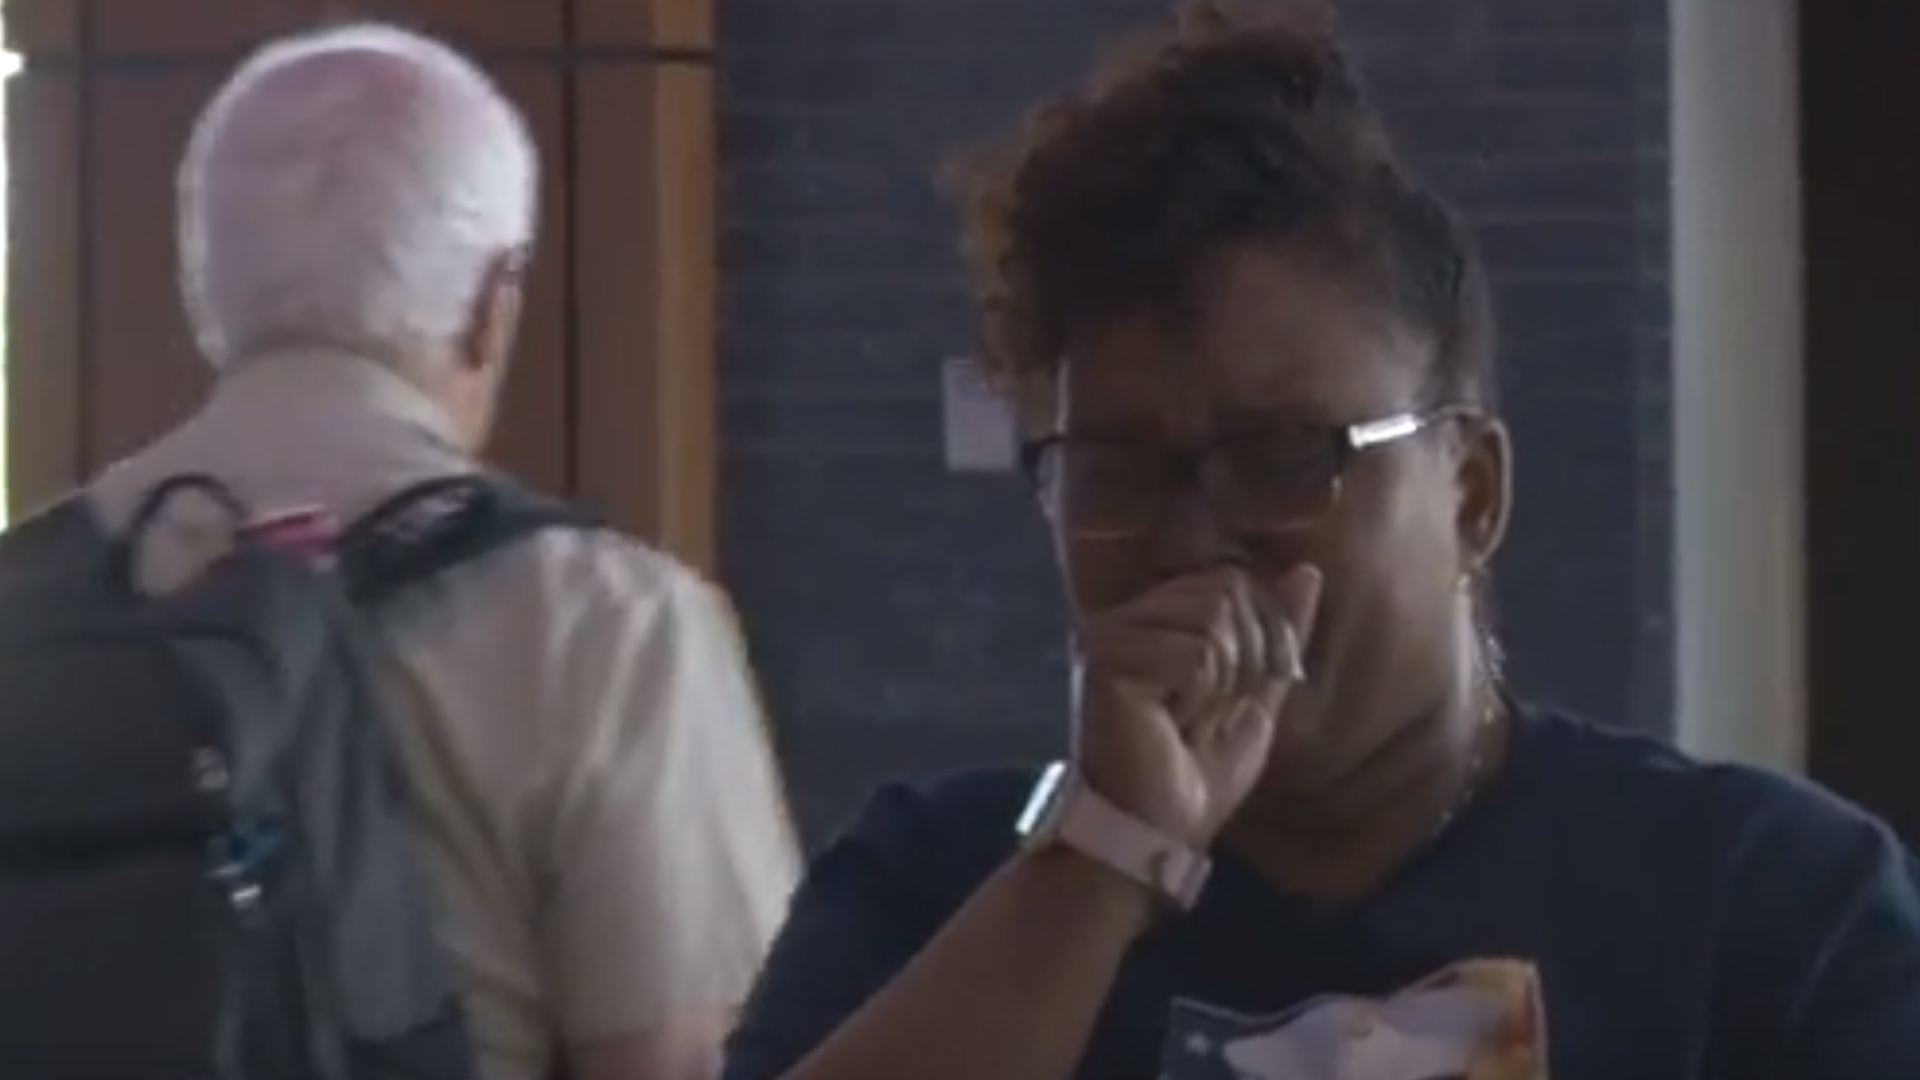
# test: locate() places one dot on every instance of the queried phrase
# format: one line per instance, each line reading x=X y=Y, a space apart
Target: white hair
x=350 y=188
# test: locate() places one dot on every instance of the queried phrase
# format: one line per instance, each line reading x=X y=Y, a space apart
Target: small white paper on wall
x=979 y=427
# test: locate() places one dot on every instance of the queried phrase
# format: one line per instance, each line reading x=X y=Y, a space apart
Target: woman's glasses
x=1271 y=482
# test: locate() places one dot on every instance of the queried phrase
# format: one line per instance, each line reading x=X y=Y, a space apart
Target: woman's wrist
x=1098 y=896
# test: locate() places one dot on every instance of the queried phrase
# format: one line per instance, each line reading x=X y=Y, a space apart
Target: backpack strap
x=432 y=527
x=61 y=527
x=57 y=544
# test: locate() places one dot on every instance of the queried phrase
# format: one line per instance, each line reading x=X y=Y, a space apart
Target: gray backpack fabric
x=207 y=870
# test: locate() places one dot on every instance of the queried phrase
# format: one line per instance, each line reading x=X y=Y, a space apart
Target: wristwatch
x=1064 y=810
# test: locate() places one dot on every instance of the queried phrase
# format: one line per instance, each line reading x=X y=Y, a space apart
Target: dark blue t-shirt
x=1684 y=921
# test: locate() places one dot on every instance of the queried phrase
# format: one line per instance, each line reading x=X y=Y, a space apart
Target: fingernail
x=1301 y=589
x=1301 y=586
x=1304 y=583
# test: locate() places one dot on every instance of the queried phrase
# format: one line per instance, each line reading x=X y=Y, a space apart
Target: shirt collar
x=325 y=381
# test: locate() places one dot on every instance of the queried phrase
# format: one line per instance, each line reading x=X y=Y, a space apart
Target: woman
x=1305 y=834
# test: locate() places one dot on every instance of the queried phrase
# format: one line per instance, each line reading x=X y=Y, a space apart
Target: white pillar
x=1737 y=381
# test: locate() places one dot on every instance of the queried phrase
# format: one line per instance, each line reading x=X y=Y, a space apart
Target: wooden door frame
x=46 y=269
x=646 y=181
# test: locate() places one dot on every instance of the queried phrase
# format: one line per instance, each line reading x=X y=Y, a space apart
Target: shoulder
x=637 y=648
x=869 y=902
x=607 y=642
x=934 y=842
x=1813 y=904
x=600 y=573
x=584 y=599
x=1789 y=868
x=1634 y=782
x=970 y=812
x=568 y=590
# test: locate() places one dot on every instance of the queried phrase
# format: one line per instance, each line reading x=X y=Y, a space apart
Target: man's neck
x=320 y=381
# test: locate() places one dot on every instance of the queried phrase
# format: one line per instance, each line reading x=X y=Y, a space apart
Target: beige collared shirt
x=601 y=803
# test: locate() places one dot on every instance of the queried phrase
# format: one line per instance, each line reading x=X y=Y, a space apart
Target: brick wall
x=904 y=619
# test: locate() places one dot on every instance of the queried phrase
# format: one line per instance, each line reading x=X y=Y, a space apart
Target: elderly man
x=604 y=823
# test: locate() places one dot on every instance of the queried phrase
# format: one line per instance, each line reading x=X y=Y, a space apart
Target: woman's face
x=1276 y=362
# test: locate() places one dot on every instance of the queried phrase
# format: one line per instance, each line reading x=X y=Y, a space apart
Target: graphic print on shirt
x=1477 y=1020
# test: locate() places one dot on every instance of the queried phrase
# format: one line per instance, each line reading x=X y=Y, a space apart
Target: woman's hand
x=1180 y=691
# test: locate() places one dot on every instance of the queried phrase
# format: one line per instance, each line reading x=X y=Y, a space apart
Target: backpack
x=208 y=870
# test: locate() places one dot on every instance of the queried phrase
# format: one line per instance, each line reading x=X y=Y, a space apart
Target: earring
x=1493 y=656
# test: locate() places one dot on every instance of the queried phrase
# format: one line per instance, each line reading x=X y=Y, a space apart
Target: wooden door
x=611 y=396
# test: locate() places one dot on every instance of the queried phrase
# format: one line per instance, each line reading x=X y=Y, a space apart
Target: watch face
x=1046 y=796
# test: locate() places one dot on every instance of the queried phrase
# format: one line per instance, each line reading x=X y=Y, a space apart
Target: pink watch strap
x=1096 y=828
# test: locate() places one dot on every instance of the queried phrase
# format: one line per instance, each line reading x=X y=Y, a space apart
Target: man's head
x=1249 y=336
x=366 y=190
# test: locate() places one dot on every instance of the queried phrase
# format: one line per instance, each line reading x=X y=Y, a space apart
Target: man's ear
x=1485 y=479
x=495 y=318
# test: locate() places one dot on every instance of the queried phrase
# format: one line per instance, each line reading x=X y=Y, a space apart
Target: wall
x=906 y=620
x=1861 y=396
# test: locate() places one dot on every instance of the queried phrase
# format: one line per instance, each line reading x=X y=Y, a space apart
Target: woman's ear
x=1485 y=478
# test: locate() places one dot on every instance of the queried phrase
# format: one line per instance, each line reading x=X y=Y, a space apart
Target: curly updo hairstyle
x=1239 y=124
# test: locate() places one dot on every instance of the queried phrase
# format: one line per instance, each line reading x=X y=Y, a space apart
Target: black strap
x=57 y=545
x=62 y=526
x=407 y=539
x=434 y=526
x=68 y=534
x=159 y=496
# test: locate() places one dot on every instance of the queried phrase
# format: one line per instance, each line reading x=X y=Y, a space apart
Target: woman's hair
x=1242 y=124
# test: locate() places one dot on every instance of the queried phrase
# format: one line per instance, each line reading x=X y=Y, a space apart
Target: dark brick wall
x=904 y=619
